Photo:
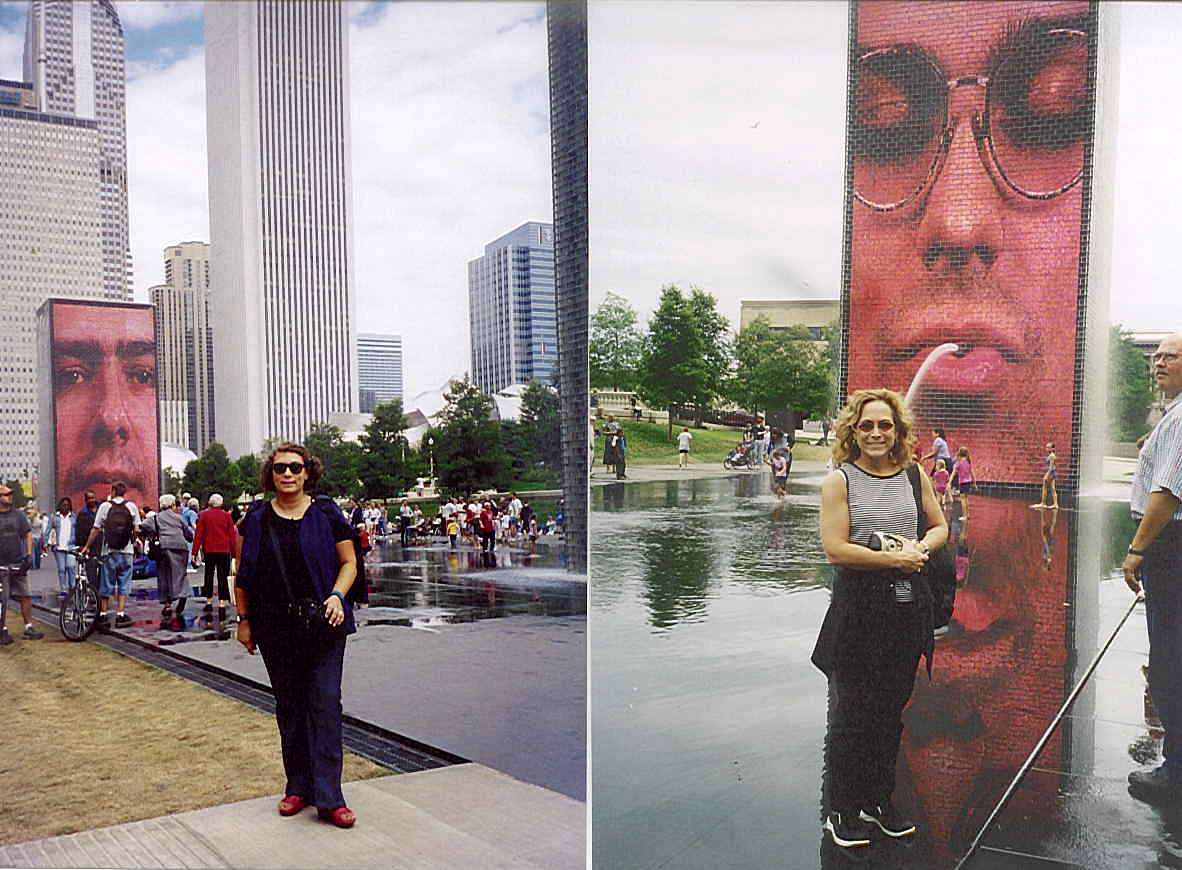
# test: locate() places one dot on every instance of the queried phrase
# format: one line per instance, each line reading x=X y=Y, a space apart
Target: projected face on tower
x=969 y=136
x=103 y=360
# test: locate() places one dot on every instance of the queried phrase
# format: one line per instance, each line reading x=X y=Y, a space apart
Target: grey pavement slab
x=460 y=816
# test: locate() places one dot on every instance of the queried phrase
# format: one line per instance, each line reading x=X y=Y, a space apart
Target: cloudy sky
x=716 y=153
x=451 y=149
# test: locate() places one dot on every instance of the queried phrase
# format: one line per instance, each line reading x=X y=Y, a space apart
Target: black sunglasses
x=283 y=467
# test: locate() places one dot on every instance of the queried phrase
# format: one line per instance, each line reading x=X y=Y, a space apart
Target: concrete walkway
x=454 y=817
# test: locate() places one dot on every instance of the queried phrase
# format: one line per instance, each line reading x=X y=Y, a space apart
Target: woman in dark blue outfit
x=306 y=544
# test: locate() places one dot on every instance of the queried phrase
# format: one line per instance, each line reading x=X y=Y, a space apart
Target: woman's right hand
x=910 y=559
x=244 y=637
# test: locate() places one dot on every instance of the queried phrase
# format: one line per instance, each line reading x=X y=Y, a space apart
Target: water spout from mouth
x=946 y=347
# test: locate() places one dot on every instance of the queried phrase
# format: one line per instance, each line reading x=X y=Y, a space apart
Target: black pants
x=865 y=724
x=221 y=563
x=306 y=681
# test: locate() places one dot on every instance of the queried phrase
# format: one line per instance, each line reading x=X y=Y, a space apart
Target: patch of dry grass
x=91 y=738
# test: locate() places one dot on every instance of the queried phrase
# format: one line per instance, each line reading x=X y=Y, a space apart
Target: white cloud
x=167 y=173
x=450 y=150
x=716 y=142
x=146 y=14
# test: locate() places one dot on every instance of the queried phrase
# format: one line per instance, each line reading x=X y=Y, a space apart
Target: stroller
x=739 y=457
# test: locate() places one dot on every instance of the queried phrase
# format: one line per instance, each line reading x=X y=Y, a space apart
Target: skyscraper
x=74 y=59
x=50 y=244
x=379 y=369
x=511 y=309
x=566 y=24
x=184 y=346
x=281 y=214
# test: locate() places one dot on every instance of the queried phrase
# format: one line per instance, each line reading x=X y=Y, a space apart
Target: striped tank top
x=881 y=504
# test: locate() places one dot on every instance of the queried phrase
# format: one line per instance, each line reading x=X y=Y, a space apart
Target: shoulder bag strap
x=279 y=558
x=917 y=492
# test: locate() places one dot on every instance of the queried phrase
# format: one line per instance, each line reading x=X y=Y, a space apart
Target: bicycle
x=80 y=606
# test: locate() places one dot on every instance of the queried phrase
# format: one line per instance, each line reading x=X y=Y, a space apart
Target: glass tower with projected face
x=280 y=217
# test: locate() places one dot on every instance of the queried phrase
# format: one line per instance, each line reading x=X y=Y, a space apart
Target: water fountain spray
x=946 y=347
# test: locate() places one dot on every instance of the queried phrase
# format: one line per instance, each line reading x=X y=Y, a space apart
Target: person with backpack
x=118 y=520
x=298 y=578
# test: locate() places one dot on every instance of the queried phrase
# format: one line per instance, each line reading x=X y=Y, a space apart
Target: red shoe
x=292 y=804
x=342 y=817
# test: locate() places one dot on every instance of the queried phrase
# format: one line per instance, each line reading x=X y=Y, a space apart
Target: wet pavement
x=485 y=659
x=709 y=721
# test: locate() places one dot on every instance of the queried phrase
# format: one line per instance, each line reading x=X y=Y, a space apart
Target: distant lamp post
x=431 y=454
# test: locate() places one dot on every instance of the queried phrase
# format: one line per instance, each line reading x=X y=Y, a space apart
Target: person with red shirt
x=215 y=537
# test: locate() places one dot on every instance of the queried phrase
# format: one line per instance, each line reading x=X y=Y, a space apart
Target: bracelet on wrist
x=338 y=594
x=1133 y=552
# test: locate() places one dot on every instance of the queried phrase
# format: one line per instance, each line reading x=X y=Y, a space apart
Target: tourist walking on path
x=405 y=519
x=1154 y=561
x=172 y=530
x=879 y=620
x=683 y=447
x=63 y=530
x=779 y=473
x=294 y=590
x=16 y=548
x=1050 y=494
x=118 y=520
x=214 y=538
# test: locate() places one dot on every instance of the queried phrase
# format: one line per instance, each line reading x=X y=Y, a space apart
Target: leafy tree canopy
x=384 y=463
x=614 y=346
x=780 y=369
x=469 y=455
x=340 y=458
x=1130 y=387
x=210 y=472
x=686 y=355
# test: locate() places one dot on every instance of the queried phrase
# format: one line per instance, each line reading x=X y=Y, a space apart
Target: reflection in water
x=997 y=681
x=676 y=706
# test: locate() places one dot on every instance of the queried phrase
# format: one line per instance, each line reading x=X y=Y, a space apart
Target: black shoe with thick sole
x=102 y=623
x=5 y=637
x=847 y=829
x=1161 y=786
x=888 y=820
x=32 y=633
x=122 y=621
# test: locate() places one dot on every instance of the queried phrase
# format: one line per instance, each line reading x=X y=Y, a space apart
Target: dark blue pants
x=306 y=681
x=1161 y=574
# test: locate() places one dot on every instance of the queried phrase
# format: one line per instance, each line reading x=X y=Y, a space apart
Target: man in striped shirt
x=1155 y=560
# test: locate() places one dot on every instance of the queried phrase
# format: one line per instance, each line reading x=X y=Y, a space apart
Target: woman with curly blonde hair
x=879 y=621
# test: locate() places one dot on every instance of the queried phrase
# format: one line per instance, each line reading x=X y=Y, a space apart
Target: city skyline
x=455 y=147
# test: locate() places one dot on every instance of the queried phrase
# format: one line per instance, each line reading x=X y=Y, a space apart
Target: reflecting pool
x=708 y=726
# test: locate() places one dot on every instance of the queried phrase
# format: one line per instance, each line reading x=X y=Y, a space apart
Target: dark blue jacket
x=319 y=549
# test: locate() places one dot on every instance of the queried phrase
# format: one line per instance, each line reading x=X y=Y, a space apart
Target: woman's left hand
x=334 y=610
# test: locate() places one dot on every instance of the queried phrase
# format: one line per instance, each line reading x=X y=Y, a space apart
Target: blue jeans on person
x=306 y=682
x=116 y=574
x=1161 y=576
x=37 y=544
x=65 y=570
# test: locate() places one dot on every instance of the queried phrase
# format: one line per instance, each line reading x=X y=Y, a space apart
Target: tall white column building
x=74 y=60
x=184 y=342
x=281 y=216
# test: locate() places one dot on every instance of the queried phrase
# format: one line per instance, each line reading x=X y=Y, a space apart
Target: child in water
x=779 y=473
x=940 y=482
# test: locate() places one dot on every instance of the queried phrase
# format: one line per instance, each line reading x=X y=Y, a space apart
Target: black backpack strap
x=917 y=492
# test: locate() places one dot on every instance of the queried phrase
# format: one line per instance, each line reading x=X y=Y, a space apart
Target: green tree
x=780 y=369
x=614 y=346
x=685 y=357
x=385 y=462
x=341 y=459
x=1130 y=387
x=245 y=474
x=173 y=482
x=534 y=442
x=469 y=455
x=210 y=472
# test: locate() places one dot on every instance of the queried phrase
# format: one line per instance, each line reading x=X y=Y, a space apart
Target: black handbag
x=940 y=569
x=306 y=614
